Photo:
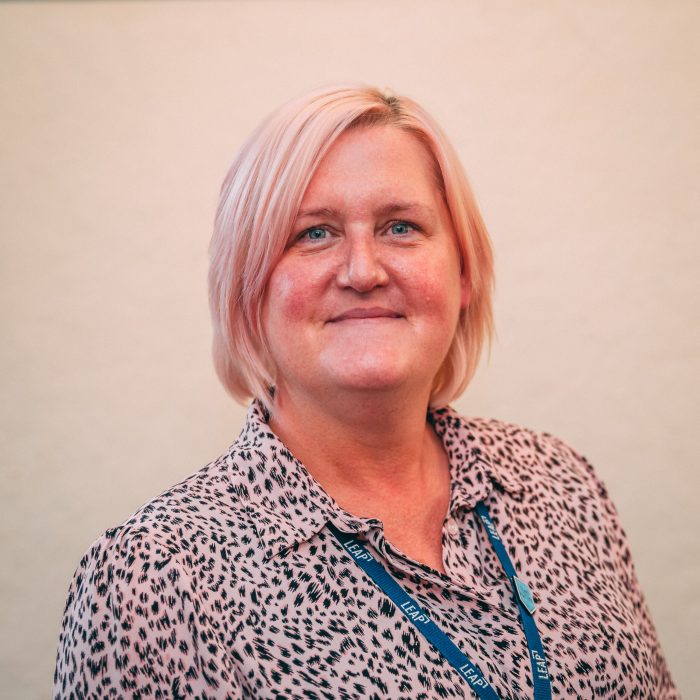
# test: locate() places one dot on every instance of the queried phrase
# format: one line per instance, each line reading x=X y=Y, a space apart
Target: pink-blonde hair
x=259 y=201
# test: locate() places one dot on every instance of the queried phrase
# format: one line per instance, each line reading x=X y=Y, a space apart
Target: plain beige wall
x=578 y=124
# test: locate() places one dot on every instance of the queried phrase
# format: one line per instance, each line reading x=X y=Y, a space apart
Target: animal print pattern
x=230 y=585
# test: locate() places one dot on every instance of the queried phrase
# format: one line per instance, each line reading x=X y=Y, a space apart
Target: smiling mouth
x=374 y=313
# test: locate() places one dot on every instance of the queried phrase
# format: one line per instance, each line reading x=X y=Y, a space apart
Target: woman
x=360 y=538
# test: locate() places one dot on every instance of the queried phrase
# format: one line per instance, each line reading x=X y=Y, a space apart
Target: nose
x=362 y=268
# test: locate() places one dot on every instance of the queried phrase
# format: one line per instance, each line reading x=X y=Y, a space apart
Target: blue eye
x=315 y=234
x=401 y=228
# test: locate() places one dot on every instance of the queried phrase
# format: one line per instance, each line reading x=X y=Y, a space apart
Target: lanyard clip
x=524 y=594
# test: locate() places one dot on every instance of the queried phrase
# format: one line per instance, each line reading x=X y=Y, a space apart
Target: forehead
x=367 y=164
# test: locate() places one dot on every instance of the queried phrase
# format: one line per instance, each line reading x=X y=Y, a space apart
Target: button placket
x=452 y=527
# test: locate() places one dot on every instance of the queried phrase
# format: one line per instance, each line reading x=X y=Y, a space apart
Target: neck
x=373 y=453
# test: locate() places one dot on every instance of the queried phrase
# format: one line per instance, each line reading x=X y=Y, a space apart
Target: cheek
x=291 y=294
x=436 y=287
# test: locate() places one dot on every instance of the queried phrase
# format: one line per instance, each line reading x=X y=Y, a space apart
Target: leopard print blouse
x=230 y=585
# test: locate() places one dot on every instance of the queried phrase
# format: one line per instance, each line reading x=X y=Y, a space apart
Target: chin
x=370 y=375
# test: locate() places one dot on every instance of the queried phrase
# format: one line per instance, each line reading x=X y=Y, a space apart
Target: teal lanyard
x=420 y=618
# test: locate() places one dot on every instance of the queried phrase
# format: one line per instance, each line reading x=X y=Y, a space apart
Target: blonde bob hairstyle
x=260 y=200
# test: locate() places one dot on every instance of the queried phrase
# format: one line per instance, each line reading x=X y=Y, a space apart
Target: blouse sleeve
x=135 y=625
x=618 y=552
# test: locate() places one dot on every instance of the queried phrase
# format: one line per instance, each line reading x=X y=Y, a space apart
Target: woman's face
x=368 y=292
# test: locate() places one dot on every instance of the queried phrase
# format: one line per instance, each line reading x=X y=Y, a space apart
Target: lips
x=365 y=313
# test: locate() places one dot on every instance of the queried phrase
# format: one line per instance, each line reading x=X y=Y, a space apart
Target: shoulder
x=137 y=589
x=555 y=483
x=515 y=439
x=528 y=455
x=208 y=509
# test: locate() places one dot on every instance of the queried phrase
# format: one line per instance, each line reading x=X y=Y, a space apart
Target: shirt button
x=452 y=527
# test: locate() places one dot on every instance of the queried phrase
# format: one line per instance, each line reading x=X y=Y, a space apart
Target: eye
x=315 y=233
x=402 y=228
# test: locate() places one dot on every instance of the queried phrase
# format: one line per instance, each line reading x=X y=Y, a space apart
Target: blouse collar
x=289 y=506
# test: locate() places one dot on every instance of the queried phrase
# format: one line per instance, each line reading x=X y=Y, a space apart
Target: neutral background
x=578 y=125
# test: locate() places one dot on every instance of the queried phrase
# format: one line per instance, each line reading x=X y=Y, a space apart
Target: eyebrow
x=384 y=210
